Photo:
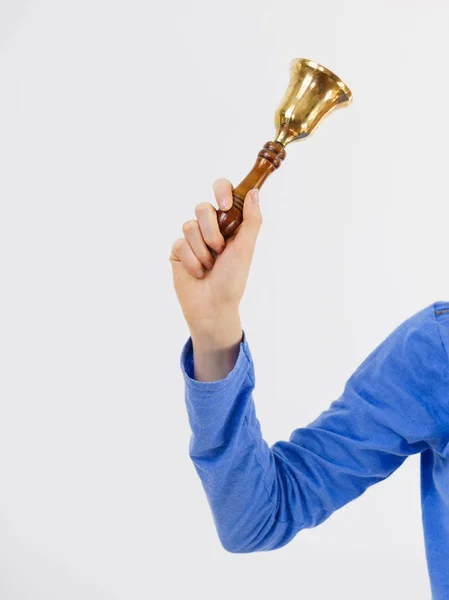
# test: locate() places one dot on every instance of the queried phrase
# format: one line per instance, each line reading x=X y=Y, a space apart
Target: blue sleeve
x=262 y=496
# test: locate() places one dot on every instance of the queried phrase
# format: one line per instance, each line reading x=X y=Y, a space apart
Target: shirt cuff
x=207 y=388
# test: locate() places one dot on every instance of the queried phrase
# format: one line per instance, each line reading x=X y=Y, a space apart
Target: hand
x=210 y=274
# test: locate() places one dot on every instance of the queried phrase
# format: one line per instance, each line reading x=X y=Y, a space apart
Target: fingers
x=203 y=235
x=208 y=224
x=223 y=193
x=182 y=252
x=192 y=233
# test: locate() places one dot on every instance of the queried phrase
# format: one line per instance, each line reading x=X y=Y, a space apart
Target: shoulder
x=407 y=375
x=426 y=335
x=420 y=343
x=440 y=314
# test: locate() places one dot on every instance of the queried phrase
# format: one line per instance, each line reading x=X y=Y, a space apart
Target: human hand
x=209 y=273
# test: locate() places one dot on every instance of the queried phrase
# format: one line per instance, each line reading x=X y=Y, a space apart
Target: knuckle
x=256 y=219
x=189 y=226
x=178 y=245
x=203 y=208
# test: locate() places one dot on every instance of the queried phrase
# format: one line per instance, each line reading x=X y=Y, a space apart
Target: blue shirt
x=395 y=404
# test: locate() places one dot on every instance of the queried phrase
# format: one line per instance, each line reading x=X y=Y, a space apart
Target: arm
x=395 y=404
x=261 y=497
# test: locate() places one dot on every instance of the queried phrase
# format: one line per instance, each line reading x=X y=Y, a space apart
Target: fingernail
x=222 y=203
x=255 y=196
x=200 y=273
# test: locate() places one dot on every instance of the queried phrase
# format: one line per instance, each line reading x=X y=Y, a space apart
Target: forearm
x=239 y=475
x=234 y=463
x=216 y=347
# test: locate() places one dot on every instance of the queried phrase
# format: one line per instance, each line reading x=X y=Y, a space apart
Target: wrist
x=216 y=349
x=217 y=332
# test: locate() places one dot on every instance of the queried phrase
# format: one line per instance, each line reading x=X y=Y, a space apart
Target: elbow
x=270 y=537
x=237 y=542
x=235 y=548
x=275 y=538
x=235 y=545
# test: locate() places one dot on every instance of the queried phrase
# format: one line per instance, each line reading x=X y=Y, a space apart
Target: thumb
x=252 y=221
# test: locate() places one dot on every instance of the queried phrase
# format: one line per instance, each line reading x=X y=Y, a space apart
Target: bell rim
x=317 y=66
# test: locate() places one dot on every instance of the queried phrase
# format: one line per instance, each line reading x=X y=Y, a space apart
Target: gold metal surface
x=313 y=93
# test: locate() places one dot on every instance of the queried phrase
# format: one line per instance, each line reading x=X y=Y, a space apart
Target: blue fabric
x=395 y=404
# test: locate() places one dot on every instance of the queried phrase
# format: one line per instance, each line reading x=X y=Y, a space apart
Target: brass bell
x=313 y=92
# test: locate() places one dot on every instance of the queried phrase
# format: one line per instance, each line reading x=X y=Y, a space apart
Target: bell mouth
x=297 y=62
x=313 y=92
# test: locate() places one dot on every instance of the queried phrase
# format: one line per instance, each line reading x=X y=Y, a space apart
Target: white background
x=115 y=118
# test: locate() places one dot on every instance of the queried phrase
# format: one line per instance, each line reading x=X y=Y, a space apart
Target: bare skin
x=210 y=275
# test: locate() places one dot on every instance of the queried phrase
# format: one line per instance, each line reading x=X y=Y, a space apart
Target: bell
x=313 y=92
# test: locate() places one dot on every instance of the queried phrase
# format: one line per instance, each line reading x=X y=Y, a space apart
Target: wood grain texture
x=268 y=160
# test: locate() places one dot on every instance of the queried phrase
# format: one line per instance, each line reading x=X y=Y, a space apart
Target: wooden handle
x=268 y=160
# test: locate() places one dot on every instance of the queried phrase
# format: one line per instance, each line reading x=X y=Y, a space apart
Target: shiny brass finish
x=313 y=93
